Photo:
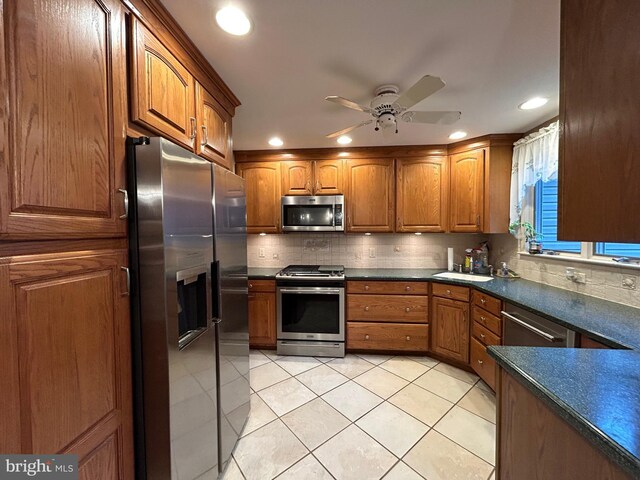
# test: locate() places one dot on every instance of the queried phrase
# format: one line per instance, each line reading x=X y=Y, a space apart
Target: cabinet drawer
x=389 y=288
x=451 y=291
x=482 y=363
x=490 y=304
x=262 y=285
x=484 y=335
x=487 y=320
x=388 y=308
x=387 y=336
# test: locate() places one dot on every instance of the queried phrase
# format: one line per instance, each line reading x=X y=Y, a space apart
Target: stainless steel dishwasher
x=523 y=328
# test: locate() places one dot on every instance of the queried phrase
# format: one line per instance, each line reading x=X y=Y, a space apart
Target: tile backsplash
x=602 y=281
x=358 y=251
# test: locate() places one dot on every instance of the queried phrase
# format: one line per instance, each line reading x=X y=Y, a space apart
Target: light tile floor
x=365 y=417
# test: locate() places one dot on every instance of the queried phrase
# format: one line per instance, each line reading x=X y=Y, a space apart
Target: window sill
x=578 y=259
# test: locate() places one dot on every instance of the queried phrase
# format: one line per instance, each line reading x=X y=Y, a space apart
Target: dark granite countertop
x=263 y=273
x=595 y=391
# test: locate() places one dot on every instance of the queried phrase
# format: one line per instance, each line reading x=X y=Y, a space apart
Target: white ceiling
x=492 y=54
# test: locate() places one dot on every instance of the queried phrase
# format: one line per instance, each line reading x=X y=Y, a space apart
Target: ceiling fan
x=388 y=107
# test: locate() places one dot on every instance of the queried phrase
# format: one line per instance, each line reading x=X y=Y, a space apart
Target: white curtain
x=535 y=157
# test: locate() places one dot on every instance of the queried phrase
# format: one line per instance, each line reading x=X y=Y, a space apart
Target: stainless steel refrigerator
x=188 y=250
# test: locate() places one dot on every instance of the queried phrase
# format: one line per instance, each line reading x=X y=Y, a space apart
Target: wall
x=602 y=281
x=353 y=251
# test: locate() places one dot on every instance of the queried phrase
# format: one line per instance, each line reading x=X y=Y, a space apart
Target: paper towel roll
x=450 y=259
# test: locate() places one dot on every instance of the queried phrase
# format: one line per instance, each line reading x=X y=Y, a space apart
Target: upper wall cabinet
x=327 y=175
x=467 y=191
x=262 y=184
x=63 y=119
x=599 y=170
x=297 y=178
x=422 y=192
x=370 y=202
x=162 y=90
x=214 y=128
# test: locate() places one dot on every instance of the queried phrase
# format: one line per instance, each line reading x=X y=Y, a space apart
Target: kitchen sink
x=463 y=276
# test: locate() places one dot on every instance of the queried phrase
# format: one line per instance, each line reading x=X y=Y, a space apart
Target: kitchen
x=273 y=293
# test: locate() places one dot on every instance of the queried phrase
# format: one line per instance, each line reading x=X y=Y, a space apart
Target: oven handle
x=535 y=330
x=313 y=290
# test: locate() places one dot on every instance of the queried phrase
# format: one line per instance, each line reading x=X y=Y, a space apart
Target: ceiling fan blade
x=348 y=103
x=439 y=118
x=424 y=87
x=347 y=130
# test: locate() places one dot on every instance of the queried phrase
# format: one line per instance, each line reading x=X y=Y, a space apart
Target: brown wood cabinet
x=422 y=194
x=312 y=177
x=389 y=308
x=262 y=313
x=599 y=171
x=534 y=442
x=297 y=178
x=214 y=129
x=63 y=119
x=486 y=329
x=587 y=342
x=370 y=202
x=450 y=328
x=467 y=191
x=328 y=177
x=387 y=337
x=66 y=382
x=262 y=185
x=163 y=90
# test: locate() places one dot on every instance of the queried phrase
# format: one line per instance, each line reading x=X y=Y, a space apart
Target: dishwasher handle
x=531 y=328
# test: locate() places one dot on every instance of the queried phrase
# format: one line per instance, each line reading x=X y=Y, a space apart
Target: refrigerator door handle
x=216 y=292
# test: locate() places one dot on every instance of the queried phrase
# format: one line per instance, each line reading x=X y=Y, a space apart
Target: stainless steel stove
x=311 y=310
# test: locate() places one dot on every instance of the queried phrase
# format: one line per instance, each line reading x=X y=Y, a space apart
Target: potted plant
x=532 y=238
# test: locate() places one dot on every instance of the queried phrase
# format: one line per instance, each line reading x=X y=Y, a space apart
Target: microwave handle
x=216 y=293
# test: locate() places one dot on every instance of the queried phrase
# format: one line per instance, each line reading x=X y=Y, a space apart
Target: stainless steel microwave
x=322 y=213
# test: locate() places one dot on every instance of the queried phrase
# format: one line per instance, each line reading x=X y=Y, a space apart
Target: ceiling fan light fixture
x=276 y=142
x=535 y=102
x=233 y=21
x=458 y=135
x=344 y=140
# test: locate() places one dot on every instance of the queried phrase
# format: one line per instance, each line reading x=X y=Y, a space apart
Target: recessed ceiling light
x=344 y=140
x=368 y=234
x=418 y=233
x=276 y=142
x=233 y=20
x=532 y=103
x=458 y=135
x=262 y=234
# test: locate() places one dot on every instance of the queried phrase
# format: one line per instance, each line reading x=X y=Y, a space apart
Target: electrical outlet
x=372 y=252
x=629 y=282
x=580 y=278
x=358 y=256
x=396 y=248
x=261 y=253
x=276 y=256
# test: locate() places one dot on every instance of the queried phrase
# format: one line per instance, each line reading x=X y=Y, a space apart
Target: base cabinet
x=262 y=313
x=65 y=350
x=450 y=332
x=386 y=336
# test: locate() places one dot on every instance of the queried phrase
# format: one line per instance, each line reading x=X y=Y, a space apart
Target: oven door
x=311 y=313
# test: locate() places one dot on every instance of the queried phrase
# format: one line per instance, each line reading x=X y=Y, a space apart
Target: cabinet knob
x=483 y=301
x=482 y=335
x=408 y=338
x=408 y=309
x=366 y=337
x=251 y=285
x=480 y=362
x=366 y=309
x=407 y=288
x=448 y=292
x=482 y=318
x=366 y=287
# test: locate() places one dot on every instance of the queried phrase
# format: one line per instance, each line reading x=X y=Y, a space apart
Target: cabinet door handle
x=349 y=220
x=192 y=120
x=252 y=296
x=126 y=203
x=251 y=285
x=448 y=292
x=309 y=186
x=482 y=335
x=205 y=136
x=408 y=309
x=477 y=220
x=318 y=186
x=482 y=318
x=128 y=276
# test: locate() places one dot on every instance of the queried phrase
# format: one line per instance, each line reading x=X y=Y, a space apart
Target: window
x=546 y=218
x=546 y=223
